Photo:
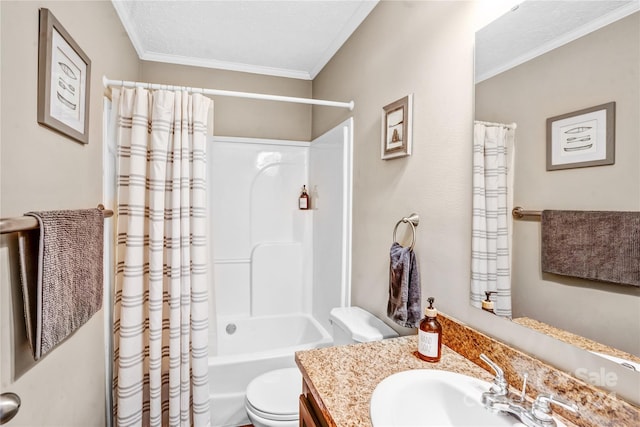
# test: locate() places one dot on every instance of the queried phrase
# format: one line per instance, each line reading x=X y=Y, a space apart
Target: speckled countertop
x=577 y=340
x=343 y=378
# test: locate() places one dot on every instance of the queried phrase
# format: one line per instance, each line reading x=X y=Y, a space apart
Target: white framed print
x=397 y=128
x=582 y=138
x=64 y=72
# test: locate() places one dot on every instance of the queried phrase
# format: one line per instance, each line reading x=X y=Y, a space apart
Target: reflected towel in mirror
x=595 y=245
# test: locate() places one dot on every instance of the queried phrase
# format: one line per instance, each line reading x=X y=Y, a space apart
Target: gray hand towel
x=69 y=275
x=404 y=287
x=596 y=245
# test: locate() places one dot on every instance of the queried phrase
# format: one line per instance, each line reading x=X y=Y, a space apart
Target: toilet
x=272 y=398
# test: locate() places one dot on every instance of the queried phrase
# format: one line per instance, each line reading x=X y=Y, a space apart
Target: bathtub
x=248 y=347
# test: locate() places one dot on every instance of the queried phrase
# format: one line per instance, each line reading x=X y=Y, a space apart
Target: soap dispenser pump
x=430 y=335
x=487 y=304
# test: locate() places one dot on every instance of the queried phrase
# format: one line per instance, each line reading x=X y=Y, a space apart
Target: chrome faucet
x=499 y=400
x=498 y=396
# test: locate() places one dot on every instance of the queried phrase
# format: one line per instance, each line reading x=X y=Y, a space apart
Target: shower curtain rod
x=129 y=84
x=508 y=126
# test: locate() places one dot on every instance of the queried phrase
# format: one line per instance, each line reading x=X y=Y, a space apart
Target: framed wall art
x=396 y=128
x=64 y=72
x=582 y=138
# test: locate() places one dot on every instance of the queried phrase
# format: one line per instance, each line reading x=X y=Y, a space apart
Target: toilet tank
x=353 y=324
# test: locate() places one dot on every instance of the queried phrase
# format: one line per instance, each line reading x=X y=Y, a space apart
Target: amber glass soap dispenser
x=430 y=335
x=304 y=199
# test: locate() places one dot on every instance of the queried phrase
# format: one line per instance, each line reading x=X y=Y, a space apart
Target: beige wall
x=42 y=170
x=243 y=117
x=424 y=48
x=601 y=67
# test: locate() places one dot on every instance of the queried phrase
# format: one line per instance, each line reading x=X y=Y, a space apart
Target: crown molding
x=224 y=65
x=128 y=25
x=354 y=22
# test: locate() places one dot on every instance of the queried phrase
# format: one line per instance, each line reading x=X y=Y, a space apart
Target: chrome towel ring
x=413 y=220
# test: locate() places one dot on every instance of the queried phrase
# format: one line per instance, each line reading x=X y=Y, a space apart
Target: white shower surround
x=264 y=248
x=257 y=232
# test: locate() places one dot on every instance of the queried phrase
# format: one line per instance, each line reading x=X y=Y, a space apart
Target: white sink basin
x=429 y=397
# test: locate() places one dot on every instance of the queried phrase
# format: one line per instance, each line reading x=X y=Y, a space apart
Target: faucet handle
x=523 y=393
x=498 y=381
x=541 y=409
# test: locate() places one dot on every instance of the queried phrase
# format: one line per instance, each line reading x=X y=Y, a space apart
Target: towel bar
x=413 y=220
x=518 y=212
x=25 y=223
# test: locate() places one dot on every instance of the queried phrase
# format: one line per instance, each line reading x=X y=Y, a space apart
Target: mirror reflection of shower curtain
x=493 y=153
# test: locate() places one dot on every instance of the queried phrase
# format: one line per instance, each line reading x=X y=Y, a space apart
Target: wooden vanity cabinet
x=310 y=413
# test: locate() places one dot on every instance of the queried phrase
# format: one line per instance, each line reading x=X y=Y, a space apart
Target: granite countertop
x=577 y=340
x=342 y=378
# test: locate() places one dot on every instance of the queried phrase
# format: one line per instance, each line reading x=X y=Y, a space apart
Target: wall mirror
x=540 y=60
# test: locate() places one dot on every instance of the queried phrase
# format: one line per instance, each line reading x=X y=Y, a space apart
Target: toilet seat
x=266 y=417
x=274 y=395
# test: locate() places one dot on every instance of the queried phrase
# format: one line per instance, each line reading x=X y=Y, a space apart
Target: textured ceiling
x=274 y=37
x=535 y=27
x=297 y=38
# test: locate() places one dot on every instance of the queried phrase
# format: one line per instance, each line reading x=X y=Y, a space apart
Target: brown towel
x=69 y=275
x=594 y=245
x=28 y=243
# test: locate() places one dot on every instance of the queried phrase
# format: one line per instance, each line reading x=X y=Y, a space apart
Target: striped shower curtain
x=493 y=148
x=160 y=304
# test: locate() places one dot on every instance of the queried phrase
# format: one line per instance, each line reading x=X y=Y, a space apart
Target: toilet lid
x=276 y=392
